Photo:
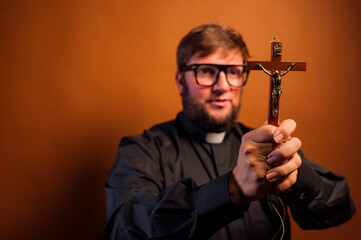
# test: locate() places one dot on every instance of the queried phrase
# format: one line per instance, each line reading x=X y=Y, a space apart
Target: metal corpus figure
x=276 y=91
x=274 y=67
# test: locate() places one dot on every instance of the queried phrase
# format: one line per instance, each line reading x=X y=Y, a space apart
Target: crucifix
x=273 y=68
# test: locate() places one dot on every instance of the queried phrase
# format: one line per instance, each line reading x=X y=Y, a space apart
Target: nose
x=222 y=83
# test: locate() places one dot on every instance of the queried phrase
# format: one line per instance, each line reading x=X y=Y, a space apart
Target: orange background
x=76 y=76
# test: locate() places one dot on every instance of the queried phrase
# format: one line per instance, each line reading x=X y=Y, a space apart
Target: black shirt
x=169 y=183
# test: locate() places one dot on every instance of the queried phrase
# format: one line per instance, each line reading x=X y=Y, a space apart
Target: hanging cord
x=281 y=218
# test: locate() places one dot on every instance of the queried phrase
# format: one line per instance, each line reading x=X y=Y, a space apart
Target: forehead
x=220 y=56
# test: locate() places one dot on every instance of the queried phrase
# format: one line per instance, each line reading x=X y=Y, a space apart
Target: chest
x=199 y=161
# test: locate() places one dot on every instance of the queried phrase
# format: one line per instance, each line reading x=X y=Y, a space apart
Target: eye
x=206 y=71
x=235 y=71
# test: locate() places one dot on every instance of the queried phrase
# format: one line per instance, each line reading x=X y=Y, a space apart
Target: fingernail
x=271 y=176
x=279 y=138
x=272 y=160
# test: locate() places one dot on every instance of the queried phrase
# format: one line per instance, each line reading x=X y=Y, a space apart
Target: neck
x=213 y=137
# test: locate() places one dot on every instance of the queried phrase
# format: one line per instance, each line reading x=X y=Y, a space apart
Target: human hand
x=267 y=163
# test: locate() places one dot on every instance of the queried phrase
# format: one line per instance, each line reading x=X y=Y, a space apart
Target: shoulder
x=157 y=134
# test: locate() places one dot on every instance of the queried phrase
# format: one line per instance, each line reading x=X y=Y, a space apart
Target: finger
x=284 y=130
x=263 y=134
x=285 y=183
x=284 y=151
x=285 y=169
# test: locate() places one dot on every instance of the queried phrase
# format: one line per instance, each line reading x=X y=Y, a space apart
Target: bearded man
x=204 y=176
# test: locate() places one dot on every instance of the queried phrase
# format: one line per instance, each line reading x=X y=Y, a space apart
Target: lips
x=219 y=102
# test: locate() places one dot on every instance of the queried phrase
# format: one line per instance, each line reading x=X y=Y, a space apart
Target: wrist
x=235 y=193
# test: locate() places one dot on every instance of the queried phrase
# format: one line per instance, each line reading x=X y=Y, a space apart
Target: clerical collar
x=195 y=131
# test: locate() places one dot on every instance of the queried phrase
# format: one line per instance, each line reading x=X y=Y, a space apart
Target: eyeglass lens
x=207 y=75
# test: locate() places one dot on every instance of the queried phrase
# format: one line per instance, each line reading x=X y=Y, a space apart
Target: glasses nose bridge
x=221 y=68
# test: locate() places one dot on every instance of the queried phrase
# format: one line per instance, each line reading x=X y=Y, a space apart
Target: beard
x=198 y=114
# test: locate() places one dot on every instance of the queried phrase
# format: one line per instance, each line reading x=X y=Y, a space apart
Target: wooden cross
x=273 y=68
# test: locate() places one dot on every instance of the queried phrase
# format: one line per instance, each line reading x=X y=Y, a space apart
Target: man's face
x=212 y=108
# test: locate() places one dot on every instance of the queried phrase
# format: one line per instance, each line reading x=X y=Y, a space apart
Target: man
x=203 y=176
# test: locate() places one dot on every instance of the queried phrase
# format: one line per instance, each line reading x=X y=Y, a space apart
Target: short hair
x=206 y=39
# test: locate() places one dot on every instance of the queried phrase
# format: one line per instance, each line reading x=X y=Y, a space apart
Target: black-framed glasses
x=207 y=74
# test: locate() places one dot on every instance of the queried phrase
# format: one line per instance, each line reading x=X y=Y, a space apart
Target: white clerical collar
x=195 y=131
x=215 y=138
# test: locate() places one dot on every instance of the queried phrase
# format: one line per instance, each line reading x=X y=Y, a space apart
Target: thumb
x=263 y=134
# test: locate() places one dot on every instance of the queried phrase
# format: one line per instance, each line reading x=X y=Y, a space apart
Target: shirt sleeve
x=320 y=198
x=140 y=207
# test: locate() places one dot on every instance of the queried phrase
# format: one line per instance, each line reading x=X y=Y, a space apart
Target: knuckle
x=245 y=136
x=248 y=149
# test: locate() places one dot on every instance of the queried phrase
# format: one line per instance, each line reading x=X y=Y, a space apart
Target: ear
x=179 y=81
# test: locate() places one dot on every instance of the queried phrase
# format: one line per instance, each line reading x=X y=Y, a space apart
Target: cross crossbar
x=280 y=66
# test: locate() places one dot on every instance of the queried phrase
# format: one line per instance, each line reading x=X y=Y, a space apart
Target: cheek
x=197 y=92
x=237 y=95
x=202 y=93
